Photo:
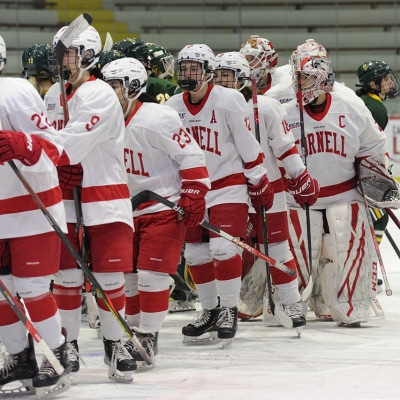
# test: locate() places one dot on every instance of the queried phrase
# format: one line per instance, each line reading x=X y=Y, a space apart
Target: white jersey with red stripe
x=22 y=109
x=160 y=154
x=335 y=138
x=220 y=125
x=94 y=136
x=278 y=144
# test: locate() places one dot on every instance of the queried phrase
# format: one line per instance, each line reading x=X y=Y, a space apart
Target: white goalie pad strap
x=349 y=274
x=317 y=303
x=377 y=183
x=299 y=242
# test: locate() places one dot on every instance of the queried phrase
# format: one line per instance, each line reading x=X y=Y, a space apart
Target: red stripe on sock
x=67 y=298
x=203 y=273
x=228 y=269
x=41 y=307
x=151 y=302
x=117 y=298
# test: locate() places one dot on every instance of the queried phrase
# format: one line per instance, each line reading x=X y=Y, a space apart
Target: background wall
x=352 y=31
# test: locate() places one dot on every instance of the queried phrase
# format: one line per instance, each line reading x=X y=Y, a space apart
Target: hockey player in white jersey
x=281 y=158
x=218 y=119
x=94 y=139
x=162 y=157
x=29 y=247
x=340 y=135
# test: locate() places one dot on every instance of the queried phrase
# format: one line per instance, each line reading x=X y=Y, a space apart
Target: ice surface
x=327 y=363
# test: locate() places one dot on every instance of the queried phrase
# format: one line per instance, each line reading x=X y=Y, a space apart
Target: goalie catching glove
x=261 y=195
x=304 y=188
x=193 y=203
x=19 y=146
x=70 y=176
x=377 y=184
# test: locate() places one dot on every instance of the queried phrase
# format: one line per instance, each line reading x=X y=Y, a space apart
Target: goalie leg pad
x=349 y=275
x=299 y=243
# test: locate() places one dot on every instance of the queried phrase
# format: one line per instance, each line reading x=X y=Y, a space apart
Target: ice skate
x=149 y=341
x=182 y=301
x=291 y=316
x=203 y=329
x=47 y=382
x=73 y=354
x=227 y=325
x=18 y=368
x=120 y=363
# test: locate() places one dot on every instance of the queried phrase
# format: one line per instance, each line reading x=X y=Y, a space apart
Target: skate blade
x=24 y=388
x=142 y=366
x=226 y=342
x=206 y=338
x=299 y=331
x=120 y=376
x=49 y=391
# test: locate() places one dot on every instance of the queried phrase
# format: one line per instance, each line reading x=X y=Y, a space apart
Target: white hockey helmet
x=89 y=47
x=3 y=53
x=311 y=59
x=263 y=51
x=201 y=54
x=131 y=72
x=237 y=63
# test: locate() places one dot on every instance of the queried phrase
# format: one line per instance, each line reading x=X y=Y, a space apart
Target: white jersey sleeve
x=159 y=154
x=22 y=109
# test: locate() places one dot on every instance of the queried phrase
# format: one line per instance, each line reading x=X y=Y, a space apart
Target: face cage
x=238 y=78
x=191 y=84
x=396 y=85
x=164 y=67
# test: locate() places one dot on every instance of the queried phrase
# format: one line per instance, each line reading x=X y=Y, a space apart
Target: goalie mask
x=261 y=55
x=194 y=66
x=161 y=61
x=130 y=72
x=3 y=54
x=386 y=81
x=232 y=70
x=39 y=60
x=312 y=61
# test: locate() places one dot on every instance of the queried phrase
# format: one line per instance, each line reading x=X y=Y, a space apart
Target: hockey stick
x=75 y=28
x=99 y=290
x=308 y=289
x=262 y=211
x=392 y=215
x=388 y=290
x=55 y=362
x=108 y=43
x=148 y=195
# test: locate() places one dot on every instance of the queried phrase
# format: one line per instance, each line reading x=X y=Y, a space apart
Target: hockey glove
x=304 y=188
x=70 y=176
x=262 y=194
x=193 y=203
x=19 y=146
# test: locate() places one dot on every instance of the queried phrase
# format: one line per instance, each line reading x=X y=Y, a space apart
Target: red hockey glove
x=70 y=176
x=262 y=194
x=304 y=188
x=193 y=203
x=18 y=146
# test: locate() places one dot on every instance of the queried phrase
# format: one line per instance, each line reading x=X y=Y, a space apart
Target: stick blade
x=74 y=29
x=140 y=198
